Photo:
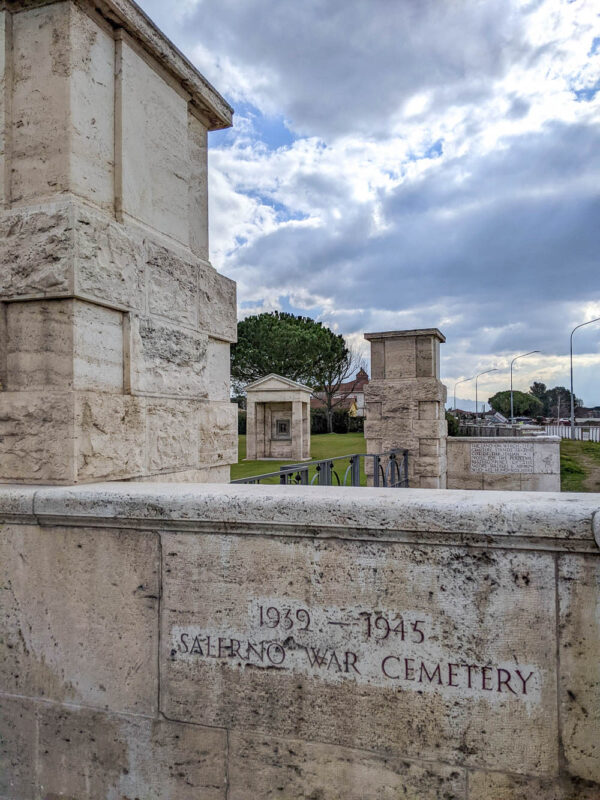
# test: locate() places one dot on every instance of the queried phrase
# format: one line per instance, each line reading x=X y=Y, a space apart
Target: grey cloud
x=509 y=245
x=333 y=66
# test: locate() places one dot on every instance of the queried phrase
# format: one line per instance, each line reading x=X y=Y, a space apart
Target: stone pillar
x=297 y=430
x=114 y=327
x=405 y=402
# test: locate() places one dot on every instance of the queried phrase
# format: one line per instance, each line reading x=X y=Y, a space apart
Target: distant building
x=349 y=397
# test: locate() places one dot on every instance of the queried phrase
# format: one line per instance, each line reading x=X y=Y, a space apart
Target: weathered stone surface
x=453 y=604
x=172 y=286
x=270 y=768
x=110 y=260
x=217 y=310
x=88 y=755
x=218 y=434
x=36 y=251
x=167 y=360
x=198 y=193
x=110 y=440
x=579 y=582
x=78 y=620
x=154 y=120
x=39 y=160
x=492 y=786
x=218 y=369
x=17 y=749
x=172 y=432
x=63 y=344
x=36 y=437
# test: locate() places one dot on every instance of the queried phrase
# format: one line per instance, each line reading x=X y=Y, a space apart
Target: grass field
x=579 y=466
x=327 y=445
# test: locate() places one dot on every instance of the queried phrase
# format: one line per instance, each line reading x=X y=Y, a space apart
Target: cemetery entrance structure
x=278 y=419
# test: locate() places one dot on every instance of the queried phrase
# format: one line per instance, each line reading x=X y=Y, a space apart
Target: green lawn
x=326 y=445
x=579 y=466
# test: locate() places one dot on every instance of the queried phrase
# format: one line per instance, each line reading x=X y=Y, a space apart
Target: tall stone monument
x=114 y=327
x=405 y=402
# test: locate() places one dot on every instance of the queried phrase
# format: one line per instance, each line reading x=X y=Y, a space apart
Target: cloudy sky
x=409 y=164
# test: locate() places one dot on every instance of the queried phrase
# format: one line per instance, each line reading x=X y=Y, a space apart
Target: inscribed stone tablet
x=437 y=653
x=502 y=457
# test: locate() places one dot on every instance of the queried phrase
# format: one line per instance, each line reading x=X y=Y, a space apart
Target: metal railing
x=387 y=470
x=583 y=433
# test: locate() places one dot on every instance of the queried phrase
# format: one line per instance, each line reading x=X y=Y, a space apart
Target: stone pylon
x=114 y=327
x=405 y=402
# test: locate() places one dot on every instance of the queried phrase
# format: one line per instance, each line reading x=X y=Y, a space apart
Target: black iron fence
x=387 y=470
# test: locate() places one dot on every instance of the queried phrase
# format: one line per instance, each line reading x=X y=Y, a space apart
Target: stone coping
x=527 y=520
x=544 y=439
x=128 y=15
x=405 y=334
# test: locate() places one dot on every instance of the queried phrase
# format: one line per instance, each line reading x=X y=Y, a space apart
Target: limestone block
x=493 y=786
x=39 y=345
x=429 y=410
x=110 y=259
x=218 y=433
x=546 y=458
x=430 y=429
x=218 y=369
x=36 y=437
x=198 y=191
x=216 y=474
x=172 y=433
x=88 y=754
x=579 y=626
x=36 y=252
x=540 y=483
x=505 y=483
x=172 y=286
x=428 y=466
x=63 y=344
x=459 y=457
x=465 y=481
x=217 y=311
x=295 y=770
x=399 y=409
x=167 y=360
x=429 y=448
x=400 y=358
x=377 y=360
x=110 y=436
x=428 y=361
x=3 y=93
x=39 y=159
x=79 y=616
x=490 y=608
x=91 y=107
x=154 y=142
x=17 y=749
x=431 y=482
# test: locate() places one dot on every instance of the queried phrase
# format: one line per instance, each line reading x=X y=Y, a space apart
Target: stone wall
x=114 y=327
x=521 y=463
x=235 y=642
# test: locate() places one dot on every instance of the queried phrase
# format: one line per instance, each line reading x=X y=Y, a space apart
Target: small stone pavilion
x=278 y=419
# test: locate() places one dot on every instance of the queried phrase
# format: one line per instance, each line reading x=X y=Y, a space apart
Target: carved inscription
x=376 y=647
x=502 y=457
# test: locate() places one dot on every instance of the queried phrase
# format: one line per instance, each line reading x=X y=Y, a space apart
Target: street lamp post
x=464 y=380
x=512 y=413
x=589 y=322
x=476 y=396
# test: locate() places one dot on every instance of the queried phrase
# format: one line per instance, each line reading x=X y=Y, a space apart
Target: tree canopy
x=292 y=346
x=525 y=405
x=554 y=400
